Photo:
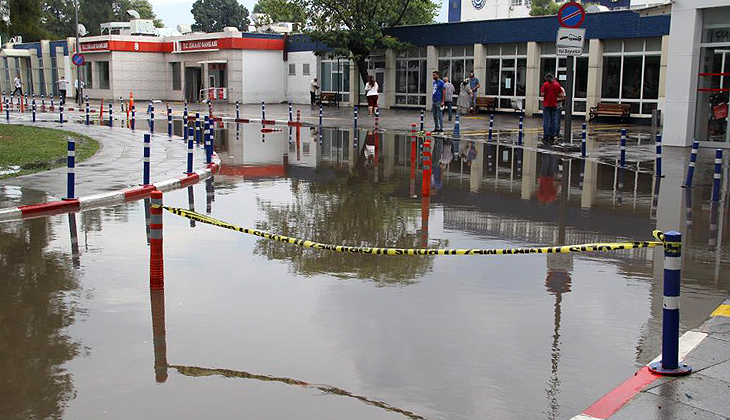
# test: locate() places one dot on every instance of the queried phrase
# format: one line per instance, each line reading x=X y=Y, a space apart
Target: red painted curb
x=136 y=192
x=610 y=403
x=49 y=207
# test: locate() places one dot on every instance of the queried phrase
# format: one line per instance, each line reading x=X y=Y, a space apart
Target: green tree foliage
x=25 y=16
x=214 y=15
x=356 y=28
x=283 y=11
x=544 y=8
x=59 y=19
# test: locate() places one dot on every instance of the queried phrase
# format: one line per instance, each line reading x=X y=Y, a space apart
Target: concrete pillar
x=388 y=99
x=432 y=64
x=595 y=74
x=590 y=184
x=354 y=83
x=47 y=75
x=36 y=88
x=663 y=72
x=480 y=66
x=532 y=84
x=477 y=168
x=529 y=168
x=682 y=67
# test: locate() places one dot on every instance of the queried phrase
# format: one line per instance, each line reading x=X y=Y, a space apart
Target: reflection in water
x=73 y=231
x=33 y=315
x=209 y=195
x=191 y=203
x=159 y=339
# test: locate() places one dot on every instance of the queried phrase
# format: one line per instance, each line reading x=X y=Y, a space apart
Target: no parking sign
x=571 y=15
x=78 y=59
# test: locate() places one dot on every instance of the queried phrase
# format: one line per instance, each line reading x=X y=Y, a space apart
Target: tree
x=59 y=18
x=356 y=28
x=25 y=16
x=283 y=11
x=143 y=7
x=214 y=15
x=544 y=7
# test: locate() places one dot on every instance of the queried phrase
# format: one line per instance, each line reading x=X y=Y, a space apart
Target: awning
x=11 y=52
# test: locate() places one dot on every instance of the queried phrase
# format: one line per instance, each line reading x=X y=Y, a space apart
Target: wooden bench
x=487 y=102
x=607 y=109
x=327 y=97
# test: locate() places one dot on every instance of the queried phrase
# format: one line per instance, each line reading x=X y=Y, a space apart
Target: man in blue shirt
x=438 y=103
x=474 y=85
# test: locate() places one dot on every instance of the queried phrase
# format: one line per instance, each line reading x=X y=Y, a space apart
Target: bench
x=605 y=109
x=327 y=97
x=486 y=102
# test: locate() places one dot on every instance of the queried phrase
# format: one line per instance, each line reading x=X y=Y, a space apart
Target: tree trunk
x=362 y=68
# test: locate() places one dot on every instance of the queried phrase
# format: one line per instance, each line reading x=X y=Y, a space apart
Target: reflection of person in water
x=547 y=190
x=468 y=151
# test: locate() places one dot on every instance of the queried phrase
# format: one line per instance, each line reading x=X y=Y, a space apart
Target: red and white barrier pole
x=426 y=178
x=157 y=266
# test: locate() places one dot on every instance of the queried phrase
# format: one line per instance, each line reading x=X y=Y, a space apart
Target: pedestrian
x=18 y=86
x=449 y=95
x=437 y=108
x=79 y=87
x=62 y=84
x=550 y=93
x=559 y=114
x=474 y=85
x=313 y=88
x=462 y=105
x=371 y=93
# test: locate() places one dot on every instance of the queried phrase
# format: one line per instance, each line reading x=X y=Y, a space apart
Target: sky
x=174 y=12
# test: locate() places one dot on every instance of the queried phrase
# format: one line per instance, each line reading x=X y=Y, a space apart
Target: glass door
x=712 y=95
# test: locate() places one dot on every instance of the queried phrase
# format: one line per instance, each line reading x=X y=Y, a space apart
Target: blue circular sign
x=78 y=59
x=478 y=4
x=571 y=15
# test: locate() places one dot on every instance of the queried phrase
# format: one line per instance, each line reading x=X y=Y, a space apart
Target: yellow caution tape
x=597 y=247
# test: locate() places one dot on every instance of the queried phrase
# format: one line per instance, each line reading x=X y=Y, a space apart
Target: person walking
x=371 y=93
x=437 y=108
x=462 y=105
x=79 y=87
x=449 y=95
x=474 y=85
x=313 y=88
x=550 y=93
x=62 y=84
x=18 y=86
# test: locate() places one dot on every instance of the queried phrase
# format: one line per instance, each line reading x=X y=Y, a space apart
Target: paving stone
x=710 y=352
x=721 y=371
x=697 y=390
x=646 y=406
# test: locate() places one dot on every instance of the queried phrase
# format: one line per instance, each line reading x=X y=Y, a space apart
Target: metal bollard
x=71 y=169
x=670 y=364
x=34 y=109
x=211 y=138
x=238 y=110
x=457 y=130
x=7 y=110
x=169 y=122
x=658 y=161
x=717 y=176
x=111 y=121
x=146 y=162
x=185 y=112
x=52 y=103
x=197 y=129
x=377 y=118
x=263 y=110
x=623 y=147
x=157 y=266
x=521 y=134
x=43 y=103
x=299 y=117
x=491 y=127
x=583 y=134
x=355 y=119
x=206 y=129
x=152 y=118
x=291 y=115
x=60 y=114
x=133 y=122
x=421 y=120
x=426 y=165
x=88 y=117
x=190 y=136
x=692 y=162
x=321 y=113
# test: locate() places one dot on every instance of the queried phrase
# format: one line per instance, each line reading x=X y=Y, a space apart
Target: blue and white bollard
x=238 y=110
x=263 y=110
x=152 y=118
x=457 y=130
x=146 y=162
x=211 y=138
x=43 y=102
x=321 y=114
x=190 y=136
x=692 y=163
x=421 y=120
x=51 y=102
x=521 y=134
x=583 y=138
x=377 y=119
x=670 y=364
x=491 y=127
x=623 y=147
x=185 y=113
x=355 y=119
x=206 y=135
x=111 y=121
x=658 y=161
x=291 y=115
x=133 y=123
x=88 y=116
x=60 y=113
x=71 y=169
x=7 y=110
x=34 y=110
x=717 y=177
x=197 y=129
x=169 y=122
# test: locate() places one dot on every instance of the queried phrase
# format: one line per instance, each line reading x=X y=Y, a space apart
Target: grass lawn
x=25 y=150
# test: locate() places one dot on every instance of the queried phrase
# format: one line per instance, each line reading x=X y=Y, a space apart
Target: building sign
x=478 y=4
x=570 y=41
x=210 y=44
x=95 y=46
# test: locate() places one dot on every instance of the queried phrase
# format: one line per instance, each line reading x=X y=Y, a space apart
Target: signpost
x=78 y=59
x=569 y=43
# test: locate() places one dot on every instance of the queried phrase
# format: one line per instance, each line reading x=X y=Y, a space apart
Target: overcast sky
x=174 y=12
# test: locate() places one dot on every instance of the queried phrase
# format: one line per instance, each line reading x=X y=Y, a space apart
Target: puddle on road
x=277 y=331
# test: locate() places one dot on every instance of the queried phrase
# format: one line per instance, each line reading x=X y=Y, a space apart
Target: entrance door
x=193 y=83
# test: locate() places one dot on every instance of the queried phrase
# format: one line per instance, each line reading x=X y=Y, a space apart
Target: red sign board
x=205 y=44
x=95 y=46
x=571 y=15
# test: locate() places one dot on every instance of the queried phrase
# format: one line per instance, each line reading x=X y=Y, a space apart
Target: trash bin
x=656 y=118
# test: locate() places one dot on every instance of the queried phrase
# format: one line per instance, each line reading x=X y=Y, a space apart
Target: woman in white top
x=371 y=93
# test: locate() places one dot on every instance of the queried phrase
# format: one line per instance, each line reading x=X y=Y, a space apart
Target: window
x=336 y=77
x=103 y=70
x=54 y=76
x=292 y=69
x=631 y=73
x=506 y=74
x=458 y=65
x=305 y=69
x=713 y=88
x=88 y=79
x=175 y=70
x=411 y=78
x=515 y=3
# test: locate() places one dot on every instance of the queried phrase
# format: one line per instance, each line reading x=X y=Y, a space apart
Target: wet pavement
x=274 y=331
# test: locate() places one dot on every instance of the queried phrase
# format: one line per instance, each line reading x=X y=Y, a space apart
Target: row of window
x=293 y=69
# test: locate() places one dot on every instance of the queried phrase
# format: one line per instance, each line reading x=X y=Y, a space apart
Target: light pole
x=79 y=81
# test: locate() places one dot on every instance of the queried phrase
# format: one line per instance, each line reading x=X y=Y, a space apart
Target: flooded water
x=247 y=327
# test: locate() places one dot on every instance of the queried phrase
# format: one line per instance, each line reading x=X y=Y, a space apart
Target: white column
x=663 y=72
x=354 y=83
x=388 y=99
x=432 y=64
x=595 y=74
x=477 y=168
x=533 y=76
x=480 y=66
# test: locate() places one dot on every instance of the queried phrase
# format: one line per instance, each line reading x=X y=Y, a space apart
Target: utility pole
x=79 y=81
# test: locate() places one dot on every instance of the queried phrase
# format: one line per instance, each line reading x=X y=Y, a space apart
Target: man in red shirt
x=550 y=93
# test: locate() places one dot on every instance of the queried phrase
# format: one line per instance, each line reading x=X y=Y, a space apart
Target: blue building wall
x=37 y=47
x=454 y=10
